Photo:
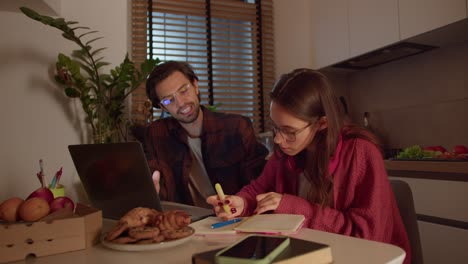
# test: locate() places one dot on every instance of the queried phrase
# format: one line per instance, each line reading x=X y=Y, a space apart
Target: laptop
x=116 y=178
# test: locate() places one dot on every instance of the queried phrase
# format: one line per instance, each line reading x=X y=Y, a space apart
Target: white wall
x=38 y=121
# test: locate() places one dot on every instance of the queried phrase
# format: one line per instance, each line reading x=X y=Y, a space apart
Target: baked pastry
x=144 y=226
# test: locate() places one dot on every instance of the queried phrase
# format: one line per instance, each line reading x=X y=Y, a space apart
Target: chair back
x=404 y=199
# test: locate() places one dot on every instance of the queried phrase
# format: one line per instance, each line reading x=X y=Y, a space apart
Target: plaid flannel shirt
x=231 y=153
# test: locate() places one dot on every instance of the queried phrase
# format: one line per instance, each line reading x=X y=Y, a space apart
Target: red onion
x=43 y=193
x=61 y=202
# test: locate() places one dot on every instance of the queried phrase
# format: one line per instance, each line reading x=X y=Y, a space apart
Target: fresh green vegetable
x=416 y=152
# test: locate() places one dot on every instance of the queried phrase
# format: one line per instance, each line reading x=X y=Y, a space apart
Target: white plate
x=145 y=247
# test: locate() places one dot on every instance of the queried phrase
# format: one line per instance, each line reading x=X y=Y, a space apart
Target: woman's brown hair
x=308 y=95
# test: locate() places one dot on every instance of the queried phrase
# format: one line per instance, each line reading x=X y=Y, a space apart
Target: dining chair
x=405 y=202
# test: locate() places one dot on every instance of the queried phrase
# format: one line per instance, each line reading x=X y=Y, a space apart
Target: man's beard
x=193 y=117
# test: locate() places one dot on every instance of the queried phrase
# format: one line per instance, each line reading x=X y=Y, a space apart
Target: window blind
x=229 y=43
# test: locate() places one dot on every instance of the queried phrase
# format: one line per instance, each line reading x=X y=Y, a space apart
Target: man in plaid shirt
x=195 y=148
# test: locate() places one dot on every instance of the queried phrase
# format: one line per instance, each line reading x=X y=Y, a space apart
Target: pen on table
x=220 y=193
x=225 y=223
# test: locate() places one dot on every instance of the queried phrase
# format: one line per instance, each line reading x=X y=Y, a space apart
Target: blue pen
x=225 y=223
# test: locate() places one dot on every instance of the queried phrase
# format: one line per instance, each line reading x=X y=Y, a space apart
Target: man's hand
x=156 y=177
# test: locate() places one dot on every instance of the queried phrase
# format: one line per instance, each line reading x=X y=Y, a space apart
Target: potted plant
x=102 y=96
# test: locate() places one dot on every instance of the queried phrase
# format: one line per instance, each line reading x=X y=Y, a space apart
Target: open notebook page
x=264 y=223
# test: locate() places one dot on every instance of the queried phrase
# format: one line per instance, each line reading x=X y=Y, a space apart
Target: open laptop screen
x=115 y=176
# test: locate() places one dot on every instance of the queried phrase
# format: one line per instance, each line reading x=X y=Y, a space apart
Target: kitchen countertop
x=428 y=166
x=430 y=170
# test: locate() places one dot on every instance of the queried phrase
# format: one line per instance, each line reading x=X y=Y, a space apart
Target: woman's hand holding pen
x=267 y=202
x=235 y=203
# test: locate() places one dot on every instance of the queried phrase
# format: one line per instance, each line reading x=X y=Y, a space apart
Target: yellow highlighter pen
x=220 y=193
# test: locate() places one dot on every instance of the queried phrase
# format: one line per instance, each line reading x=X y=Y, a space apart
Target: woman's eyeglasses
x=289 y=136
x=182 y=91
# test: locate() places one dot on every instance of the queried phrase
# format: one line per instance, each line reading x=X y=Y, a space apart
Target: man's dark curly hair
x=161 y=72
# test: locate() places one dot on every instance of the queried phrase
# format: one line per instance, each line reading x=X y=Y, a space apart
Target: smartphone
x=253 y=249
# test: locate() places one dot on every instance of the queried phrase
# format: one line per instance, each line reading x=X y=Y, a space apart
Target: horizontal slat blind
x=221 y=40
x=234 y=54
x=141 y=110
x=268 y=59
x=179 y=33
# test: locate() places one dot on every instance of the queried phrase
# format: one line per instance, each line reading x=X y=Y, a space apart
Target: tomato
x=460 y=149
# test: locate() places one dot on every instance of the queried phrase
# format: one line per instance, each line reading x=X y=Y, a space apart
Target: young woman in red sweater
x=330 y=172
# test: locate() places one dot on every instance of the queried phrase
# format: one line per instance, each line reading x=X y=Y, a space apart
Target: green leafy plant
x=102 y=95
x=214 y=107
x=416 y=152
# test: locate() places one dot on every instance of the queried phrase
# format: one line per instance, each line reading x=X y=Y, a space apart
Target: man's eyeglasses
x=289 y=136
x=182 y=91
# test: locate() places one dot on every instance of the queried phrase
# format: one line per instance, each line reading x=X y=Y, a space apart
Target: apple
x=61 y=202
x=43 y=193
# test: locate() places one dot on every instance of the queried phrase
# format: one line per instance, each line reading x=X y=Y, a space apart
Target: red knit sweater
x=364 y=204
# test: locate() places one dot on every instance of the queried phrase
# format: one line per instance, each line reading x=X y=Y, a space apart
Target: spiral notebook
x=263 y=223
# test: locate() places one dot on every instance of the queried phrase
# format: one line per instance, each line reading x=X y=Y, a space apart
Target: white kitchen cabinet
x=445 y=199
x=419 y=16
x=443 y=244
x=439 y=203
x=330 y=34
x=372 y=24
x=342 y=29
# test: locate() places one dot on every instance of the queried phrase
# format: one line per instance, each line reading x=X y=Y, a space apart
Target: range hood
x=390 y=53
x=441 y=37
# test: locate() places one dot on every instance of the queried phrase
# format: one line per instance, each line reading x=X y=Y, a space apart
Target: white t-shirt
x=200 y=185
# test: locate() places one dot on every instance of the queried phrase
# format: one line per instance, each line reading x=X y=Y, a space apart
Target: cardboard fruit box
x=48 y=237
